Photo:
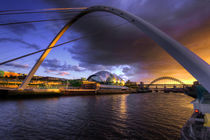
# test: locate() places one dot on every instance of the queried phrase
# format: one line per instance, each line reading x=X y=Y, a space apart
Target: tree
x=83 y=79
x=1 y=73
x=75 y=83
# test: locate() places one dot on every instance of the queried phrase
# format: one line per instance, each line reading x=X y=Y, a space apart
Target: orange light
x=196 y=111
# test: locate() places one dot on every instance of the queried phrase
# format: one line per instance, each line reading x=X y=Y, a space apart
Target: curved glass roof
x=106 y=77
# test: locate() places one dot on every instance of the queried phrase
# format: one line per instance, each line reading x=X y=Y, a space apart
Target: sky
x=112 y=44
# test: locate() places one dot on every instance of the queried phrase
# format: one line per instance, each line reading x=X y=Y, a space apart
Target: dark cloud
x=128 y=41
x=17 y=65
x=95 y=67
x=127 y=45
x=52 y=65
x=127 y=71
x=26 y=44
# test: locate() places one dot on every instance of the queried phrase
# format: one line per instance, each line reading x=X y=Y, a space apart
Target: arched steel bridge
x=165 y=78
x=190 y=61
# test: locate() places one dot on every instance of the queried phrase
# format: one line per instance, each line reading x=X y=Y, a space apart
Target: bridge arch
x=166 y=77
x=190 y=61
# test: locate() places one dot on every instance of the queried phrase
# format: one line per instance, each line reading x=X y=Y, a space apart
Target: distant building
x=141 y=85
x=10 y=74
x=90 y=85
x=107 y=78
x=131 y=84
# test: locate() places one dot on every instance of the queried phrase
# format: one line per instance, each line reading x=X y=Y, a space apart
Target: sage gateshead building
x=107 y=80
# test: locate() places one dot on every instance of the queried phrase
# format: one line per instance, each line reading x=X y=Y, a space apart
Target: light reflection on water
x=123 y=107
x=138 y=116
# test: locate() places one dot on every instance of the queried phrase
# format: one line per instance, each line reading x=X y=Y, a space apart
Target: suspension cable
x=86 y=36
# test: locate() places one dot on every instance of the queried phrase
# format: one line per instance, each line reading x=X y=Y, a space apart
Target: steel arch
x=190 y=61
x=166 y=77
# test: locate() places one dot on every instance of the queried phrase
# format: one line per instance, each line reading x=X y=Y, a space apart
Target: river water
x=146 y=116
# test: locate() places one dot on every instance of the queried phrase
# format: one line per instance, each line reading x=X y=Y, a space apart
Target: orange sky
x=198 y=41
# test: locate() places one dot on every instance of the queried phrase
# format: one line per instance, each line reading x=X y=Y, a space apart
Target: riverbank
x=11 y=93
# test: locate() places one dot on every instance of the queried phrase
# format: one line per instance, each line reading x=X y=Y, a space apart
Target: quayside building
x=104 y=80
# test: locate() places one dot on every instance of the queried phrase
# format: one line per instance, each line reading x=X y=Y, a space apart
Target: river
x=146 y=116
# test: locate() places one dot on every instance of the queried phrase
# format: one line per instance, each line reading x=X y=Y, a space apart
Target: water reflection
x=123 y=106
x=119 y=106
x=136 y=116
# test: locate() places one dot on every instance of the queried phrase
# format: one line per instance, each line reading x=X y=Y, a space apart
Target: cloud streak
x=17 y=65
x=54 y=65
x=63 y=73
x=24 y=43
x=22 y=29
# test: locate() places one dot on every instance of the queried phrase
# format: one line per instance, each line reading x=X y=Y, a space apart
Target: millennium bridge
x=195 y=65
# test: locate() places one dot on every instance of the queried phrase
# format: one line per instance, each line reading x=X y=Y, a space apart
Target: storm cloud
x=127 y=45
